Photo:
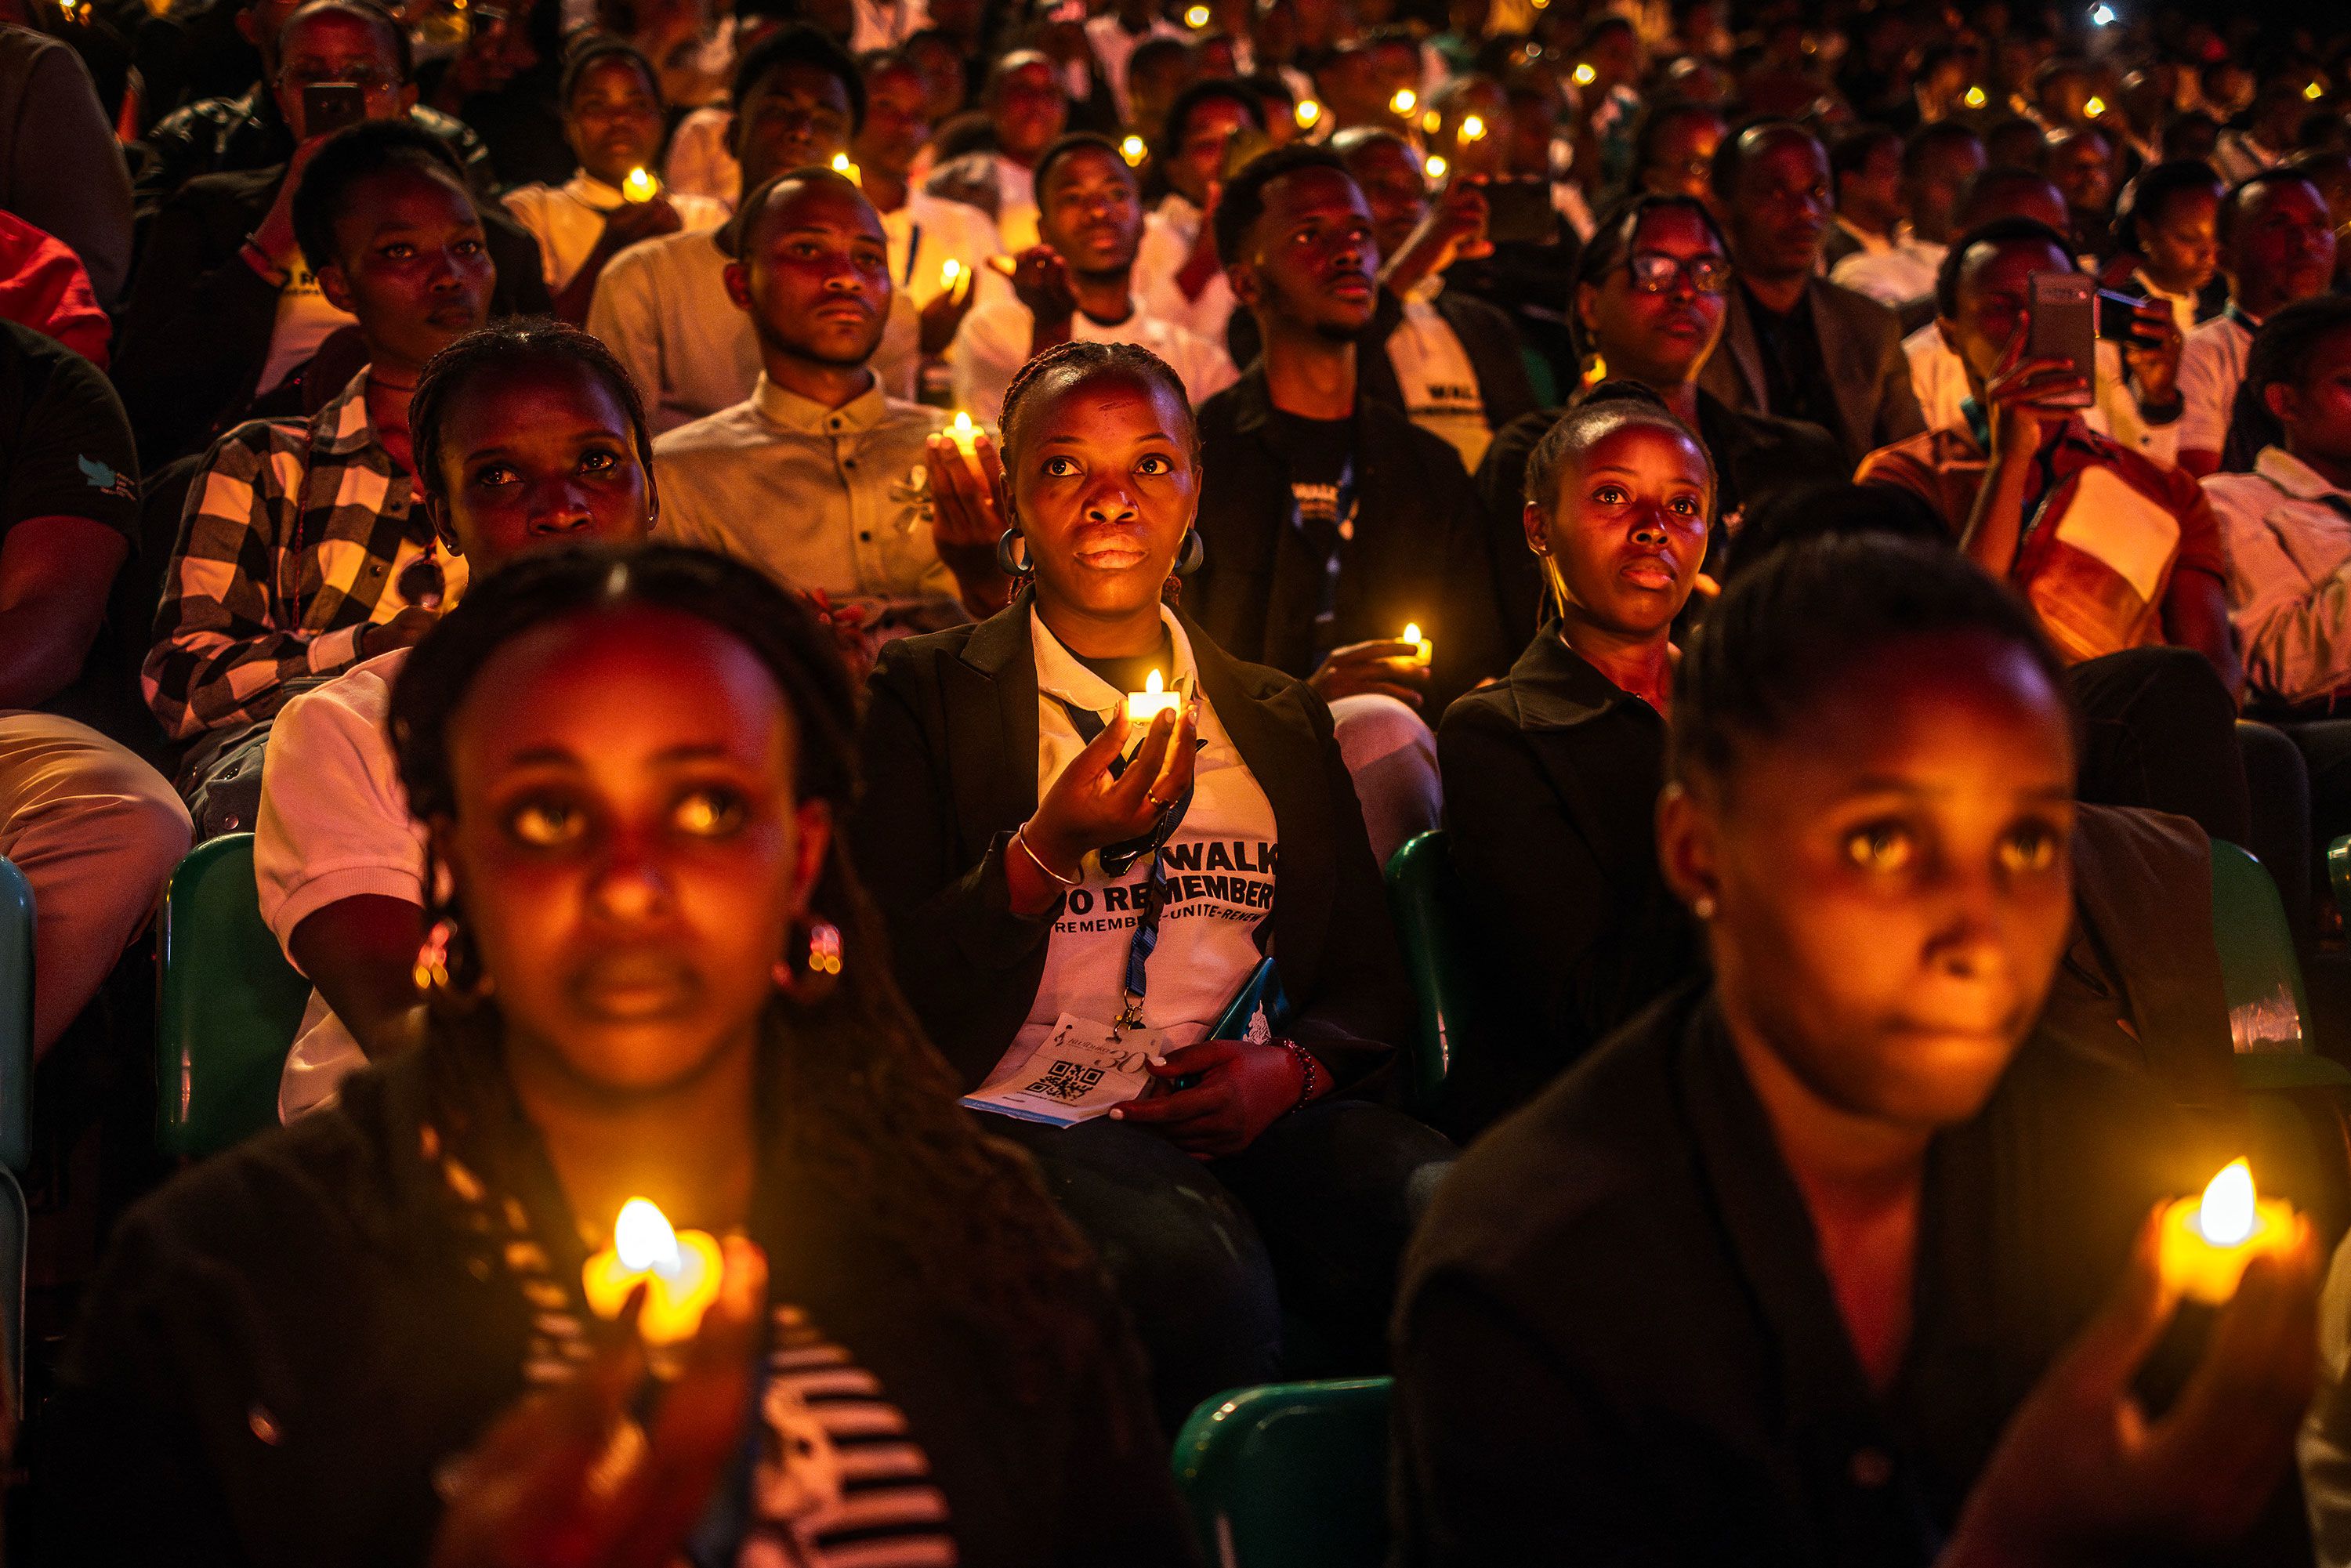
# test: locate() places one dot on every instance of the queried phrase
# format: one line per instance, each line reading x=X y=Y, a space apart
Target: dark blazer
x=1488 y=337
x=1861 y=346
x=949 y=744
x=1419 y=553
x=1551 y=777
x=289 y=1342
x=195 y=331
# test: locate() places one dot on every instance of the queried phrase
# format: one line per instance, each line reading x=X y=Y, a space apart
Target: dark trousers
x=1279 y=1261
x=2159 y=730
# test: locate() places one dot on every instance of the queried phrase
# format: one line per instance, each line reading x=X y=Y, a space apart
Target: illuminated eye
x=2029 y=850
x=494 y=474
x=547 y=824
x=1609 y=496
x=599 y=462
x=1155 y=465
x=1881 y=847
x=1060 y=467
x=1686 y=505
x=709 y=813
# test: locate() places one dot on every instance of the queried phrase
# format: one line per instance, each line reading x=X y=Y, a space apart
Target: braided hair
x=503 y=347
x=857 y=1102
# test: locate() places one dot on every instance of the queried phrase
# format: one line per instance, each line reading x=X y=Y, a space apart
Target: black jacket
x=195 y=331
x=1487 y=336
x=949 y=746
x=1861 y=352
x=1419 y=553
x=287 y=1344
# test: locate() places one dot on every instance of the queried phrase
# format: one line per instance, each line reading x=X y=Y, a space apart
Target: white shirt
x=1941 y=382
x=925 y=231
x=1221 y=863
x=1114 y=46
x=1016 y=206
x=662 y=307
x=303 y=321
x=1894 y=275
x=568 y=220
x=333 y=825
x=993 y=344
x=1439 y=384
x=1871 y=245
x=2289 y=592
x=886 y=24
x=2211 y=368
x=699 y=163
x=1169 y=232
x=2183 y=306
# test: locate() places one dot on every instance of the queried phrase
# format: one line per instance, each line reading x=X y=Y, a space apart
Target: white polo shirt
x=567 y=220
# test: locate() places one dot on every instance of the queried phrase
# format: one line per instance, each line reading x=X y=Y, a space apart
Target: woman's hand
x=1391 y=669
x=1087 y=808
x=1243 y=1089
x=2082 y=1474
x=563 y=1480
x=2152 y=352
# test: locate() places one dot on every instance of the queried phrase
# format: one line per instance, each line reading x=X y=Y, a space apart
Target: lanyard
x=1329 y=538
x=913 y=249
x=1116 y=859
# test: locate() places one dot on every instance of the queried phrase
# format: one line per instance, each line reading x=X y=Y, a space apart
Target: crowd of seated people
x=1543 y=700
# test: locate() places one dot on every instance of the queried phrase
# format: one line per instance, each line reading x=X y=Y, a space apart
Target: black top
x=949 y=760
x=287 y=1341
x=1551 y=778
x=1795 y=381
x=65 y=446
x=1417 y=554
x=1616 y=1342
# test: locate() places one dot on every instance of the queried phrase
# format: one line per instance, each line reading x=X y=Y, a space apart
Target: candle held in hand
x=680 y=1269
x=950 y=273
x=640 y=186
x=2208 y=1241
x=1423 y=649
x=841 y=165
x=1148 y=704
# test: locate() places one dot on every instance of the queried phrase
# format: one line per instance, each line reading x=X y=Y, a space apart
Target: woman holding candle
x=363 y=1338
x=1811 y=1263
x=1046 y=862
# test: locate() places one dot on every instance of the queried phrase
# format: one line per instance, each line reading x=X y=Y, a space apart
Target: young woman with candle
x=1812 y=1263
x=363 y=1337
x=1014 y=854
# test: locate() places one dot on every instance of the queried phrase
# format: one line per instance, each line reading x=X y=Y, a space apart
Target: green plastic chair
x=16 y=1019
x=231 y=1004
x=1289 y=1475
x=1425 y=900
x=2268 y=1008
x=14 y=1228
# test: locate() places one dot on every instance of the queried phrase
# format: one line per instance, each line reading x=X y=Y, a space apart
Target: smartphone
x=330 y=106
x=2119 y=317
x=1518 y=212
x=2063 y=326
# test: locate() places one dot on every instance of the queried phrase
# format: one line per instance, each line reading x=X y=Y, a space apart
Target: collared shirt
x=2238 y=156
x=1169 y=233
x=568 y=220
x=834 y=499
x=993 y=344
x=295 y=538
x=2211 y=368
x=1895 y=274
x=2183 y=306
x=2288 y=535
x=1862 y=242
x=1940 y=379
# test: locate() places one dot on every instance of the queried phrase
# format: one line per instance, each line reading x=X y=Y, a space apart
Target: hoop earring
x=1004 y=561
x=1195 y=551
x=446 y=969
x=812 y=977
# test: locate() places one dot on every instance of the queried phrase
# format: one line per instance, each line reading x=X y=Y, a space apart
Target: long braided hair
x=862 y=1106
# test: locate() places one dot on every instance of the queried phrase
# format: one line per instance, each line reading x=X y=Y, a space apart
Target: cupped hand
x=942 y=317
x=1388 y=668
x=633 y=221
x=1086 y=809
x=1041 y=280
x=1243 y=1089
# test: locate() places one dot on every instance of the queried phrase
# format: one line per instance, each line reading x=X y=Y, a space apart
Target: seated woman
x=1832 y=1259
x=527 y=434
x=364 y=1337
x=1012 y=846
x=1552 y=773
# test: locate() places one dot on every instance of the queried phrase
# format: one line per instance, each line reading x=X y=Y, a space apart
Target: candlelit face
x=1310 y=257
x=1088 y=211
x=1890 y=875
x=613 y=122
x=1626 y=529
x=1660 y=337
x=628 y=849
x=896 y=123
x=541 y=453
x=797 y=116
x=412 y=262
x=2316 y=410
x=815 y=272
x=1104 y=482
x=2181 y=242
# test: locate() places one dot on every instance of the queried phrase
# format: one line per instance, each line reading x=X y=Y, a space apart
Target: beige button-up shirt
x=2288 y=538
x=818 y=498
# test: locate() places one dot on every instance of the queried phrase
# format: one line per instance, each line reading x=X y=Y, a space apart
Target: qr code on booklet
x=1081 y=1070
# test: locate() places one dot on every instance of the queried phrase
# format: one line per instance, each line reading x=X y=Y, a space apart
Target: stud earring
x=1703 y=906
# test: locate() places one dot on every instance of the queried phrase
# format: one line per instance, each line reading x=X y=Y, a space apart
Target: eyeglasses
x=1653 y=272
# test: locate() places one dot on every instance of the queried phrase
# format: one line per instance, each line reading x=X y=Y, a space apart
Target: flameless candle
x=1196 y=17
x=1424 y=650
x=1308 y=113
x=1148 y=704
x=680 y=1269
x=1585 y=75
x=640 y=186
x=2208 y=1241
x=1473 y=128
x=841 y=165
x=1131 y=150
x=1404 y=101
x=1436 y=167
x=1974 y=98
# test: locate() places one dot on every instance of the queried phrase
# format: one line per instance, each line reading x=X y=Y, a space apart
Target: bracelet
x=1020 y=837
x=1310 y=1070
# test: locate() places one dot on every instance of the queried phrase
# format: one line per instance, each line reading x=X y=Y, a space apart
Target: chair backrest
x=14 y=1228
x=1289 y=1475
x=1424 y=900
x=15 y=1017
x=230 y=1007
x=2267 y=1009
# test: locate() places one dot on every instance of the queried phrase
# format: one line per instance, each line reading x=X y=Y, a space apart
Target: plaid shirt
x=294 y=539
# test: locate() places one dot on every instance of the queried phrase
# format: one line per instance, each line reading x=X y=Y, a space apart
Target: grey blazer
x=1861 y=345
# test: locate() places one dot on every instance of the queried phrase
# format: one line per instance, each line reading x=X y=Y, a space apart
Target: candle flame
x=841 y=165
x=1412 y=630
x=1404 y=101
x=1473 y=127
x=1131 y=150
x=2313 y=93
x=1430 y=121
x=1196 y=17
x=1308 y=113
x=642 y=1239
x=2095 y=107
x=949 y=271
x=1585 y=75
x=962 y=425
x=1974 y=98
x=2227 y=1215
x=640 y=186
x=1436 y=167
x=1152 y=684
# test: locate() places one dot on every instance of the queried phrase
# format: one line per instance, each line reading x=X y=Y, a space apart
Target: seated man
x=1327 y=520
x=613 y=120
x=663 y=306
x=809 y=479
x=2277 y=246
x=1077 y=282
x=1937 y=162
x=294 y=557
x=1177 y=274
x=95 y=831
x=224 y=314
x=925 y=233
x=1026 y=111
x=1796 y=345
x=1865 y=169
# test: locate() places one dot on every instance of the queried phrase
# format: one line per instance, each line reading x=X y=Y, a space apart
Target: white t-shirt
x=305 y=321
x=1895 y=275
x=1438 y=382
x=1941 y=382
x=1016 y=206
x=993 y=344
x=1169 y=233
x=925 y=231
x=567 y=220
x=2211 y=368
x=1114 y=46
x=1221 y=865
x=699 y=163
x=334 y=825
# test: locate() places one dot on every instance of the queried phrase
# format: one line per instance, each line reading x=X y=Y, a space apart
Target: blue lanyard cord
x=1116 y=859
